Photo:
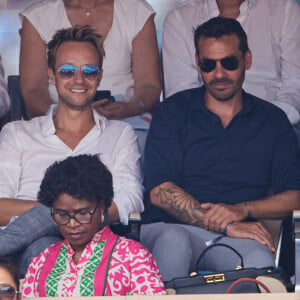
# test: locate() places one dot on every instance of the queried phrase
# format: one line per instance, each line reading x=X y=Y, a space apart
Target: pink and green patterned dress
x=109 y=265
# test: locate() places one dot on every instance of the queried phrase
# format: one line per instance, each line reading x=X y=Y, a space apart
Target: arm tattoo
x=181 y=205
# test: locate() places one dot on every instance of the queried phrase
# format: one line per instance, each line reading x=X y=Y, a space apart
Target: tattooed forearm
x=181 y=205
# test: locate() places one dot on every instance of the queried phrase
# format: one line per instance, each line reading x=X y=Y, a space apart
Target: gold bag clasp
x=214 y=278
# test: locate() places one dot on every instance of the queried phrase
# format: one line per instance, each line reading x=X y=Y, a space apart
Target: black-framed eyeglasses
x=81 y=216
x=7 y=292
x=67 y=71
x=229 y=63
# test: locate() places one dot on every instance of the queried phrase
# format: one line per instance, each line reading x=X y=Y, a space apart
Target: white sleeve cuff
x=125 y=208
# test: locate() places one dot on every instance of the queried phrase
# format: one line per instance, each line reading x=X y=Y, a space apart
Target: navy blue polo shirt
x=188 y=145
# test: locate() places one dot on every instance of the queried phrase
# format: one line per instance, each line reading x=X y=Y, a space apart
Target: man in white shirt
x=273 y=30
x=4 y=98
x=28 y=148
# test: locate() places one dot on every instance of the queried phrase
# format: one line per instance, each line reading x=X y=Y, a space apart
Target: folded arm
x=279 y=206
x=127 y=178
x=178 y=203
x=13 y=207
x=183 y=207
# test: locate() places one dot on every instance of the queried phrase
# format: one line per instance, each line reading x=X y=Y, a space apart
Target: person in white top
x=4 y=98
x=131 y=63
x=28 y=148
x=273 y=30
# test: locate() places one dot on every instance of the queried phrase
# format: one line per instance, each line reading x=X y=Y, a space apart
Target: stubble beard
x=67 y=101
x=224 y=95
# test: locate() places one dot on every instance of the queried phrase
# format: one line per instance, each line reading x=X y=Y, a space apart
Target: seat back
x=17 y=104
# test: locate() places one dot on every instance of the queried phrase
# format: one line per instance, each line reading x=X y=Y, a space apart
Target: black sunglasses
x=7 y=292
x=229 y=63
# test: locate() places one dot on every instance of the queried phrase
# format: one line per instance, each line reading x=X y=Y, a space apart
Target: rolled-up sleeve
x=127 y=176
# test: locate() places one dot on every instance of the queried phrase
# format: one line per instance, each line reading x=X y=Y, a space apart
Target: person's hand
x=251 y=230
x=111 y=110
x=218 y=216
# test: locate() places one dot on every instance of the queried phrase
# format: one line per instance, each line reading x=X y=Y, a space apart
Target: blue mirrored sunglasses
x=90 y=72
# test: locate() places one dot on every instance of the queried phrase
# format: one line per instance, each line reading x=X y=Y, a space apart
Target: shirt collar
x=199 y=104
x=213 y=10
x=48 y=127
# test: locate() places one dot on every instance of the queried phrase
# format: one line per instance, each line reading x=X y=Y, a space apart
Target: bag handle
x=220 y=245
x=238 y=281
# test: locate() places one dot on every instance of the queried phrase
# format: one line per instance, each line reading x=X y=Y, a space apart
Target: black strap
x=219 y=245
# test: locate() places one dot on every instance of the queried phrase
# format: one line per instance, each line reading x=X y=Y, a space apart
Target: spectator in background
x=131 y=63
x=4 y=98
x=273 y=30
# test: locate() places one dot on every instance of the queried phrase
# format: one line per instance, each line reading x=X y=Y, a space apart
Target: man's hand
x=218 y=216
x=251 y=230
x=112 y=110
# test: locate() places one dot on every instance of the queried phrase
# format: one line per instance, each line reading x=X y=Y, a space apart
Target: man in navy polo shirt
x=211 y=157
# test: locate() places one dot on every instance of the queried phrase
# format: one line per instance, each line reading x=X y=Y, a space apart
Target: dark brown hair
x=218 y=27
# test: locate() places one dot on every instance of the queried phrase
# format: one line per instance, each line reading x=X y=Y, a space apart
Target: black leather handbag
x=218 y=283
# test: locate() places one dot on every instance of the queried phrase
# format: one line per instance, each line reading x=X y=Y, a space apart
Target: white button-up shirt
x=4 y=98
x=28 y=148
x=273 y=30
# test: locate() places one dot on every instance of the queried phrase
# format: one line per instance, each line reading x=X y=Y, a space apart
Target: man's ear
x=51 y=76
x=248 y=59
x=197 y=62
x=100 y=76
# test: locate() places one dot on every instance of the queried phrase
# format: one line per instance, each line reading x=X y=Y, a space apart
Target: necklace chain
x=89 y=11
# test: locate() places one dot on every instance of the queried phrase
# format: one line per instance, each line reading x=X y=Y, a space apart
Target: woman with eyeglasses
x=131 y=65
x=91 y=260
x=9 y=280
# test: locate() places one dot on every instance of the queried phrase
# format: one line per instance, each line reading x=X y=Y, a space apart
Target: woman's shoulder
x=138 y=9
x=42 y=6
x=134 y=4
x=132 y=15
x=47 y=16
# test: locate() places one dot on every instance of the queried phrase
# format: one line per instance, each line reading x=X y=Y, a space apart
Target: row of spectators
x=212 y=154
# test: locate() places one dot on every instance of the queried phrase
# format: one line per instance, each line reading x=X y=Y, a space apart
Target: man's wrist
x=142 y=106
x=137 y=107
x=227 y=227
x=247 y=208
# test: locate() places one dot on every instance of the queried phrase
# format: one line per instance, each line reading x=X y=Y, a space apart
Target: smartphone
x=102 y=94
